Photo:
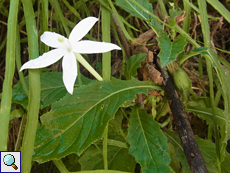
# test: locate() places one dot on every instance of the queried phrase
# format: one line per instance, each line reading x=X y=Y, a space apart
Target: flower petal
x=45 y=60
x=81 y=29
x=69 y=66
x=89 y=47
x=53 y=39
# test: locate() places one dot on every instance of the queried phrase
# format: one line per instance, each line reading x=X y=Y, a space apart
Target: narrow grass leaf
x=220 y=8
x=224 y=78
x=134 y=10
x=119 y=19
x=142 y=11
x=198 y=10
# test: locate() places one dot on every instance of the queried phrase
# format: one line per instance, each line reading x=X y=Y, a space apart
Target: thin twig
x=23 y=32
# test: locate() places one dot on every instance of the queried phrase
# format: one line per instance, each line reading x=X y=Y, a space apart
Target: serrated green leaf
x=52 y=89
x=132 y=64
x=77 y=120
x=118 y=159
x=170 y=50
x=154 y=23
x=147 y=142
x=172 y=22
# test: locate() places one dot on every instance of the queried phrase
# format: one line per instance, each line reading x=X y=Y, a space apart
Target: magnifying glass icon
x=9 y=160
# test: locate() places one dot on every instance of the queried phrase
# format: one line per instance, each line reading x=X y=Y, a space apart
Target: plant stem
x=45 y=20
x=19 y=65
x=9 y=73
x=106 y=70
x=106 y=57
x=206 y=35
x=187 y=56
x=34 y=90
x=60 y=165
x=20 y=133
x=87 y=66
x=105 y=147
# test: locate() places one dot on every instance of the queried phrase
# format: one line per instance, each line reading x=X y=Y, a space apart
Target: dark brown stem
x=189 y=144
x=122 y=37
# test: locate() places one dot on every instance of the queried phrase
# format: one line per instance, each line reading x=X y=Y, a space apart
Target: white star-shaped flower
x=69 y=49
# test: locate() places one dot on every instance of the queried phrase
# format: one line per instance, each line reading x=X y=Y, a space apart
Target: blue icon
x=9 y=160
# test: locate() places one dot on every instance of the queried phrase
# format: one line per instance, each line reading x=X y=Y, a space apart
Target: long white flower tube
x=70 y=50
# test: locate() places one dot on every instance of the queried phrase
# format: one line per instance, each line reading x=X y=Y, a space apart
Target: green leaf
x=147 y=142
x=170 y=50
x=118 y=159
x=176 y=152
x=206 y=114
x=200 y=50
x=132 y=64
x=119 y=19
x=140 y=11
x=16 y=113
x=129 y=25
x=77 y=120
x=102 y=171
x=154 y=23
x=52 y=89
x=224 y=78
x=220 y=8
x=130 y=7
x=198 y=10
x=208 y=151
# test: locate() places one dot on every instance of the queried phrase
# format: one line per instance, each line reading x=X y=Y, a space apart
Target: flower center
x=68 y=46
x=66 y=43
x=61 y=39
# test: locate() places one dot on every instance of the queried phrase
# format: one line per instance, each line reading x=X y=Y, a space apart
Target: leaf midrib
x=145 y=138
x=129 y=88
